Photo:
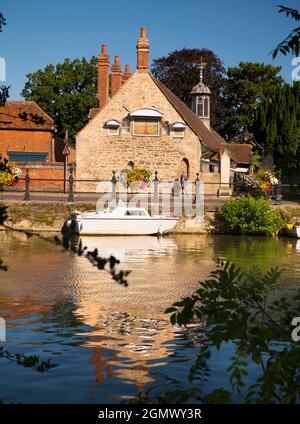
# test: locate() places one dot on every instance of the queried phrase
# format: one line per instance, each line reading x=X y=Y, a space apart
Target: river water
x=111 y=343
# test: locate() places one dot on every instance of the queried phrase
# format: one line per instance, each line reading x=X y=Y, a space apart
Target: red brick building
x=26 y=133
x=27 y=137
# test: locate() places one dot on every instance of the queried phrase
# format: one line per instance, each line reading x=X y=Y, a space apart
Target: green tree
x=66 y=92
x=277 y=127
x=248 y=84
x=178 y=71
x=291 y=44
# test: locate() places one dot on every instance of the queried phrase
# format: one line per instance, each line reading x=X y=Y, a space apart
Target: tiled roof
x=239 y=153
x=208 y=137
x=24 y=115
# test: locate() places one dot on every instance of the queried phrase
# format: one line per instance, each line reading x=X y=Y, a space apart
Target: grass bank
x=50 y=216
x=41 y=217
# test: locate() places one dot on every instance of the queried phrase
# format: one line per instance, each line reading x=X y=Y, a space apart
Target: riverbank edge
x=49 y=217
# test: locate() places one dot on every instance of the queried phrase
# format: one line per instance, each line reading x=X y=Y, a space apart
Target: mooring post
x=113 y=185
x=27 y=186
x=155 y=187
x=197 y=186
x=71 y=183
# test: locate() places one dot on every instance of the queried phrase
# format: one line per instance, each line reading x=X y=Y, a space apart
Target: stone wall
x=211 y=182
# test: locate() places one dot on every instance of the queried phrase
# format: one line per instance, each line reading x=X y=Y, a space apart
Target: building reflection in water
x=66 y=299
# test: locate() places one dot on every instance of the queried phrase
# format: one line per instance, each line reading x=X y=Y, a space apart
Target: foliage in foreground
x=242 y=308
x=251 y=216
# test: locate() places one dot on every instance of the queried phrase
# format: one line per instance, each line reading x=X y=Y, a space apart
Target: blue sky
x=39 y=33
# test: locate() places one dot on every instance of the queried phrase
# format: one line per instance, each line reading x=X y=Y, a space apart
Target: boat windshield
x=132 y=212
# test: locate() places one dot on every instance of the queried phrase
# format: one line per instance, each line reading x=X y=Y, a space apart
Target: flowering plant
x=136 y=178
x=9 y=173
x=261 y=184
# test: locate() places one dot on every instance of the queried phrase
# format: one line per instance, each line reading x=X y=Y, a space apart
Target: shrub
x=250 y=216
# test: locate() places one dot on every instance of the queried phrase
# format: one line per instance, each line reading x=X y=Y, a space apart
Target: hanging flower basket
x=137 y=179
x=9 y=173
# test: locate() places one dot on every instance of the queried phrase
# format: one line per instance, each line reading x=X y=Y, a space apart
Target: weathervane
x=202 y=65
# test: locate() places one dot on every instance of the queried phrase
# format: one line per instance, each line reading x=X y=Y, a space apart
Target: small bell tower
x=201 y=98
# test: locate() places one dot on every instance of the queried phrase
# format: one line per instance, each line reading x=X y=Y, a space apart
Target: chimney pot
x=127 y=74
x=116 y=76
x=103 y=77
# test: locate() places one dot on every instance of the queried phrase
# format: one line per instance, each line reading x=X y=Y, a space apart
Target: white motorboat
x=120 y=220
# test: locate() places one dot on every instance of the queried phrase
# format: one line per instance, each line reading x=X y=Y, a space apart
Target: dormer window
x=113 y=127
x=178 y=129
x=146 y=122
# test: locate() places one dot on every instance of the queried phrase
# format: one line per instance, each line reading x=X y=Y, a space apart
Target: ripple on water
x=111 y=342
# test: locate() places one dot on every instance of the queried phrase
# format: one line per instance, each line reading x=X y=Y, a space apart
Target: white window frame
x=144 y=118
x=178 y=134
x=128 y=122
x=178 y=130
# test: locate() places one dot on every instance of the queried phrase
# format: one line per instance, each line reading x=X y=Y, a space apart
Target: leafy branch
x=245 y=308
x=3 y=89
x=31 y=361
x=2 y=21
x=291 y=44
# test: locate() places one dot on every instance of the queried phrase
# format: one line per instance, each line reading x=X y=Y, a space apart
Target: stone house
x=144 y=124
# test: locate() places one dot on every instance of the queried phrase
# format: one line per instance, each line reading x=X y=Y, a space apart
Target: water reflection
x=110 y=342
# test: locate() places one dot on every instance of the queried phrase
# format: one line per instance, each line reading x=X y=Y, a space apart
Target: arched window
x=200 y=110
x=206 y=106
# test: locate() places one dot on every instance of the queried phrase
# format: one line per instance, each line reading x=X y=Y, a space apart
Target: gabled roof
x=208 y=137
x=23 y=114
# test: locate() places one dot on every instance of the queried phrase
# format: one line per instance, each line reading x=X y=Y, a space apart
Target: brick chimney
x=116 y=76
x=103 y=77
x=126 y=74
x=143 y=52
